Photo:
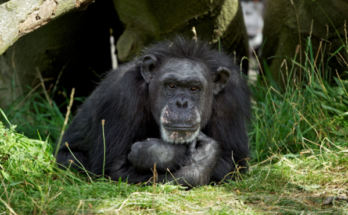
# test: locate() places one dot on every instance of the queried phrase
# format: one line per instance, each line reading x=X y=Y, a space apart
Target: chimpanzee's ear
x=221 y=79
x=148 y=66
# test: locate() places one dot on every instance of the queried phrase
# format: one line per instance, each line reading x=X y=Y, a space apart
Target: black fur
x=122 y=99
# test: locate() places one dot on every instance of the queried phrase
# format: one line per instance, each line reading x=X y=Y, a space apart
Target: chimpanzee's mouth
x=181 y=127
x=179 y=133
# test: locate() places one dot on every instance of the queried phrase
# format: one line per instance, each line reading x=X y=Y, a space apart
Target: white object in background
x=113 y=51
x=252 y=12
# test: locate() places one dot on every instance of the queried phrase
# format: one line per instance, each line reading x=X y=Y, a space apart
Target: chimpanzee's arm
x=197 y=163
x=144 y=154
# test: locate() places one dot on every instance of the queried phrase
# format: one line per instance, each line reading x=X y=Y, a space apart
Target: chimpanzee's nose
x=182 y=103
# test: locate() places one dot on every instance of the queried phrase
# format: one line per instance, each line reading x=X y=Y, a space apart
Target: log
x=20 y=17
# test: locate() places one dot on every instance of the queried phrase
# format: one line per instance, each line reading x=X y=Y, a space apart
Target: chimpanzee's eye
x=193 y=88
x=171 y=85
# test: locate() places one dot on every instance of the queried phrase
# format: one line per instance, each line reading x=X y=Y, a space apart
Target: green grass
x=298 y=137
x=35 y=113
x=287 y=184
x=302 y=115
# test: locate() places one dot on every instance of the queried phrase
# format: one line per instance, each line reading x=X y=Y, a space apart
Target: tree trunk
x=20 y=17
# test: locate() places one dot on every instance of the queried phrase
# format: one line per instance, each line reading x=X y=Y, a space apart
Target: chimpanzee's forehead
x=184 y=67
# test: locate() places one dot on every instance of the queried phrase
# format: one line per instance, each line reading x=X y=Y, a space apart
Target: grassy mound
x=313 y=181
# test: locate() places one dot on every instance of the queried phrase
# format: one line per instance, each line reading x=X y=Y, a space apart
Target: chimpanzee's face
x=181 y=93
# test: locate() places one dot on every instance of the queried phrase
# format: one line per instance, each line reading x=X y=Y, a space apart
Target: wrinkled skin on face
x=181 y=99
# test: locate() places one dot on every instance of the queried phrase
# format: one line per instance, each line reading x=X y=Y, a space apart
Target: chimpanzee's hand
x=205 y=148
x=199 y=168
x=144 y=154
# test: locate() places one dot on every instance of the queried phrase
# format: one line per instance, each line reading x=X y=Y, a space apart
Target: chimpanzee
x=180 y=105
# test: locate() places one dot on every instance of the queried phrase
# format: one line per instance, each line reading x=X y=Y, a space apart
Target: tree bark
x=20 y=17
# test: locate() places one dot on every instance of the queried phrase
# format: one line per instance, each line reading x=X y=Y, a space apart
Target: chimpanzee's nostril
x=184 y=105
x=178 y=104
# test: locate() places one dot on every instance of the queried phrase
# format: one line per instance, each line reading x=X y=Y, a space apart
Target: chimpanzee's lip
x=181 y=127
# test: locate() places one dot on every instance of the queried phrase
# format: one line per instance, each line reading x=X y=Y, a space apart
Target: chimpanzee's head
x=181 y=92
